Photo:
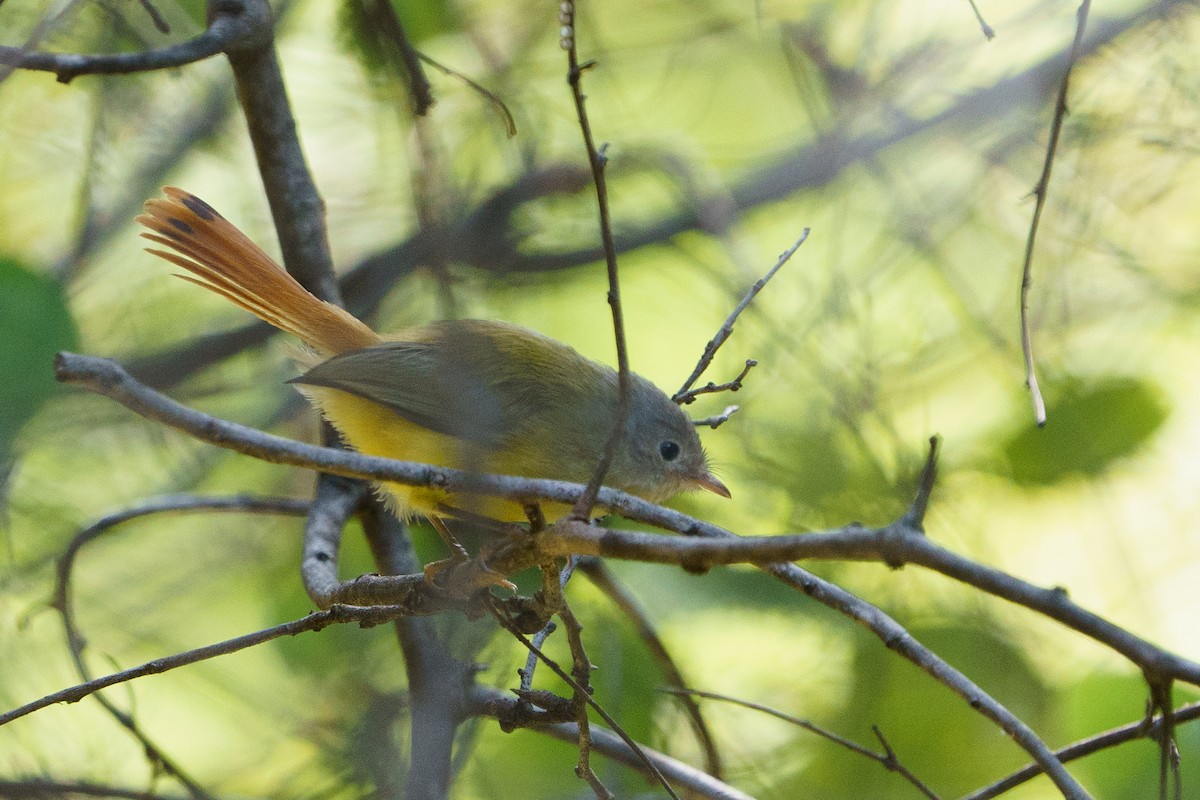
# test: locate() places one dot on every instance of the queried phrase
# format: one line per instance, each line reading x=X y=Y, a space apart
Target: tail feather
x=225 y=261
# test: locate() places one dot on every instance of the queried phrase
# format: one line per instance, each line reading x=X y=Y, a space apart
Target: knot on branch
x=245 y=26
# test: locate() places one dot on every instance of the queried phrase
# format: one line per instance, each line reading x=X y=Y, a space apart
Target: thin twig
x=437 y=682
x=887 y=758
x=510 y=124
x=988 y=31
x=77 y=642
x=486 y=701
x=155 y=15
x=734 y=385
x=710 y=350
x=224 y=31
x=1142 y=729
x=717 y=420
x=604 y=580
x=597 y=161
x=915 y=516
x=1040 y=191
x=1168 y=751
x=581 y=670
x=551 y=602
x=575 y=686
x=363 y=616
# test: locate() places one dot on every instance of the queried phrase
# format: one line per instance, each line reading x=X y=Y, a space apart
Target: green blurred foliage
x=35 y=323
x=730 y=128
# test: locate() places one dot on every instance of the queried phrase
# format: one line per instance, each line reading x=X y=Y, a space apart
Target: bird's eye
x=668 y=450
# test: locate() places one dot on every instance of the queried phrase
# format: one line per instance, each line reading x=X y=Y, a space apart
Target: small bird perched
x=487 y=396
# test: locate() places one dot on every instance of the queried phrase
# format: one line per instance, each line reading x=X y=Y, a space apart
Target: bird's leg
x=459 y=555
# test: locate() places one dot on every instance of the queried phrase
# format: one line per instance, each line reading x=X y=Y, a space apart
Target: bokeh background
x=903 y=137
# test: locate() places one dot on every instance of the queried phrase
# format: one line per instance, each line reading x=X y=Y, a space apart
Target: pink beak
x=709 y=483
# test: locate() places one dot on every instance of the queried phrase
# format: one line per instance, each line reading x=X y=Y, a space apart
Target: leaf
x=35 y=323
x=1090 y=427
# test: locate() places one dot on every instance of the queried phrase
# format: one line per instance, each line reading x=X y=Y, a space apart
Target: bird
x=483 y=395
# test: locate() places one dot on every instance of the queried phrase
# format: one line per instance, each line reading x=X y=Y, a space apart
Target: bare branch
x=887 y=758
x=581 y=692
x=717 y=420
x=604 y=580
x=225 y=30
x=734 y=385
x=365 y=617
x=597 y=160
x=336 y=500
x=685 y=395
x=896 y=544
x=988 y=31
x=493 y=703
x=1142 y=729
x=77 y=642
x=296 y=207
x=1040 y=191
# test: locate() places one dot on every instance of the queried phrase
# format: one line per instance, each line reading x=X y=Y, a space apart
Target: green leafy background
x=896 y=320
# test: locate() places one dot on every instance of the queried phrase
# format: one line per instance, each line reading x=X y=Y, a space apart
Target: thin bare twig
x=604 y=580
x=486 y=701
x=77 y=642
x=551 y=603
x=887 y=758
x=597 y=160
x=1040 y=191
x=988 y=31
x=685 y=395
x=581 y=670
x=1142 y=729
x=510 y=124
x=223 y=31
x=156 y=17
x=364 y=616
x=915 y=516
x=734 y=385
x=717 y=420
x=500 y=616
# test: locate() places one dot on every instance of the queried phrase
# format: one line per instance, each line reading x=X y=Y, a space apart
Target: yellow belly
x=377 y=431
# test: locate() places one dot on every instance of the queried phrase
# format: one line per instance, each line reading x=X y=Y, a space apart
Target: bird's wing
x=416 y=380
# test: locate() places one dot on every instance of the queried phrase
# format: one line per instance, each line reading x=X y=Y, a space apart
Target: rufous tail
x=222 y=259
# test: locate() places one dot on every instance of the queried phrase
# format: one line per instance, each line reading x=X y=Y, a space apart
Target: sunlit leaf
x=1091 y=426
